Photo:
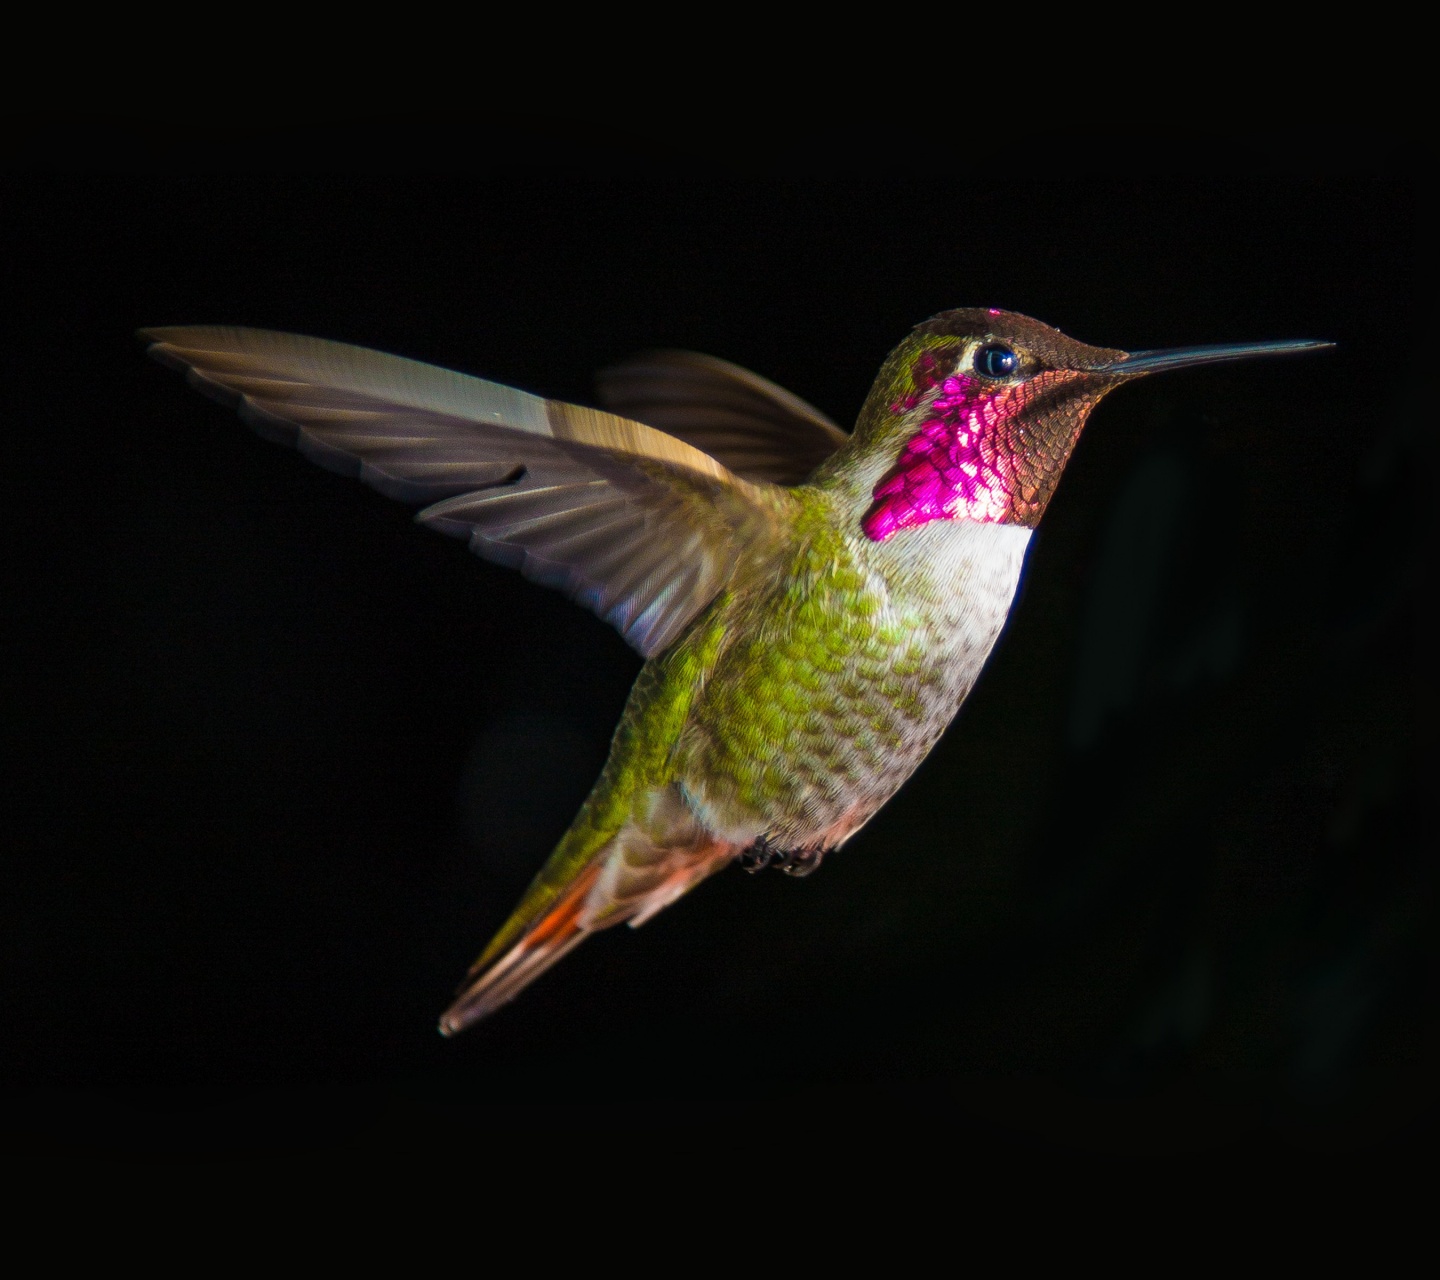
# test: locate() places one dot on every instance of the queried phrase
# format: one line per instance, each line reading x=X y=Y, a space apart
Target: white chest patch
x=959 y=577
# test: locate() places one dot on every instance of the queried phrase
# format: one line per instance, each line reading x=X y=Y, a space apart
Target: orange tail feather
x=494 y=981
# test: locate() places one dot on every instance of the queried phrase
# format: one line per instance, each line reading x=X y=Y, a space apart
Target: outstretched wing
x=641 y=527
x=758 y=430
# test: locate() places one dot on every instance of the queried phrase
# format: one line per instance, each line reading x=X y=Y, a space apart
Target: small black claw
x=801 y=862
x=793 y=862
x=759 y=855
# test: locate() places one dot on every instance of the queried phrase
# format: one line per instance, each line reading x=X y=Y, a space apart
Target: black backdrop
x=277 y=760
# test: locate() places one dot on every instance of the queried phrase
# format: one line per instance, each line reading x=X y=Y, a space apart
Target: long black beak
x=1139 y=362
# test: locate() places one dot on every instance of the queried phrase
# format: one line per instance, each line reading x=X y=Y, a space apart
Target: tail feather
x=628 y=879
x=494 y=980
x=506 y=979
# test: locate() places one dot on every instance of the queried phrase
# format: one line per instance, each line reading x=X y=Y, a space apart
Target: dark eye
x=996 y=360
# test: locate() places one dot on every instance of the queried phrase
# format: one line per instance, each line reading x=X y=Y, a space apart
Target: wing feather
x=757 y=429
x=640 y=526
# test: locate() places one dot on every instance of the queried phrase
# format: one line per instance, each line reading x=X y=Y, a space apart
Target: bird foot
x=793 y=862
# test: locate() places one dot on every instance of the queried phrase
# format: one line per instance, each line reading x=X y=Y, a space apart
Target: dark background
x=277 y=761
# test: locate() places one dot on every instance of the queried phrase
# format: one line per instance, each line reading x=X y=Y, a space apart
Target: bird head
x=976 y=413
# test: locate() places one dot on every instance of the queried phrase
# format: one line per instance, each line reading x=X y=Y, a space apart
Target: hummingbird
x=813 y=606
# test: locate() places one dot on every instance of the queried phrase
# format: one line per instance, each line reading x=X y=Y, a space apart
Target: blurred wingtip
x=157 y=349
x=159 y=334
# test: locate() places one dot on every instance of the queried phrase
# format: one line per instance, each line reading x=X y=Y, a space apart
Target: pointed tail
x=629 y=878
x=502 y=972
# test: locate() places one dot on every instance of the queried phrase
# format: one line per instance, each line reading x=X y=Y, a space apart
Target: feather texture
x=641 y=527
x=758 y=430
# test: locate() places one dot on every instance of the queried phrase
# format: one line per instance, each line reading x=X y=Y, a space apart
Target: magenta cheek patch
x=949 y=470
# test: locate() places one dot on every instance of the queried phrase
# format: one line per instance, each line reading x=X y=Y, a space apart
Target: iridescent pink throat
x=949 y=469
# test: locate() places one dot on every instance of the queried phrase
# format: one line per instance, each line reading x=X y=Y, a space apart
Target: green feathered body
x=832 y=679
x=791 y=709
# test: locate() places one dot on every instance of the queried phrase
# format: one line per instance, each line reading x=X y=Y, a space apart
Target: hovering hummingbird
x=813 y=606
